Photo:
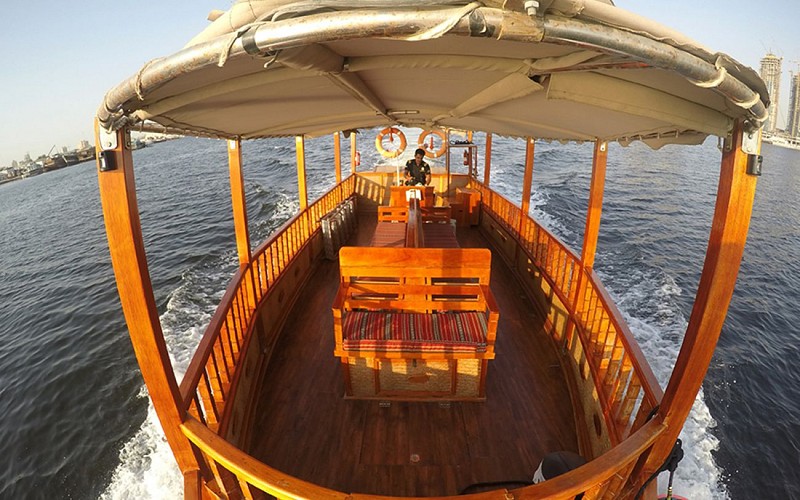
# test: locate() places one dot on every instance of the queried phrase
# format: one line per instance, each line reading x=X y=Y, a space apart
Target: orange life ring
x=391 y=131
x=430 y=152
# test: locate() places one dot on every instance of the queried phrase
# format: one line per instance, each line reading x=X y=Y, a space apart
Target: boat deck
x=303 y=426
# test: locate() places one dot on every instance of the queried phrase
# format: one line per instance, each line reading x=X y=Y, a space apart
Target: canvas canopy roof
x=565 y=70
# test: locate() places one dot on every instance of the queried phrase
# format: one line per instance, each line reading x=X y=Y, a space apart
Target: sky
x=60 y=58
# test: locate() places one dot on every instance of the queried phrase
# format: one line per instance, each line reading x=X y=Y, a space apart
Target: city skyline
x=771 y=71
x=54 y=79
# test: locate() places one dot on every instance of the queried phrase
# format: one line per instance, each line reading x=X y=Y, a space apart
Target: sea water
x=78 y=423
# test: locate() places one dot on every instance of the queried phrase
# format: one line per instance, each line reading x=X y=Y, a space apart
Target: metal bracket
x=108 y=140
x=727 y=143
x=750 y=140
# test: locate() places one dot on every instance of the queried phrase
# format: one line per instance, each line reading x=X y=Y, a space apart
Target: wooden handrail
x=638 y=358
x=206 y=384
x=252 y=472
x=561 y=269
x=195 y=370
x=594 y=474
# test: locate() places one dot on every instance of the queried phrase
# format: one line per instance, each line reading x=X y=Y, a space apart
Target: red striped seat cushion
x=462 y=331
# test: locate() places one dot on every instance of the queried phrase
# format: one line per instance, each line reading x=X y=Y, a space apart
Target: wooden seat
x=439 y=235
x=457 y=331
x=415 y=323
x=389 y=234
x=414 y=226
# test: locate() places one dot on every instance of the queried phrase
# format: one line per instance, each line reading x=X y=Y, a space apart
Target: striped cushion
x=460 y=331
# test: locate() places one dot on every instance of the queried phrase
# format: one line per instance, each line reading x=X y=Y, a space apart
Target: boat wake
x=649 y=299
x=646 y=297
x=147 y=468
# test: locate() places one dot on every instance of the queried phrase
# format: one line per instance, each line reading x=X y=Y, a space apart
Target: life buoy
x=391 y=132
x=429 y=148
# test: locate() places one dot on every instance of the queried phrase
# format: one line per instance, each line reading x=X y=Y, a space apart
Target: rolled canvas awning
x=571 y=70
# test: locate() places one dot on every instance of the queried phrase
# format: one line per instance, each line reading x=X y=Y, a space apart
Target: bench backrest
x=415 y=279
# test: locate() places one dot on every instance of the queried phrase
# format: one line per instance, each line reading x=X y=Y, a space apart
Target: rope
x=714 y=82
x=445 y=26
x=137 y=84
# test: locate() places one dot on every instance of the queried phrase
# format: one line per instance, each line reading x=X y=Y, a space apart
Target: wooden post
x=734 y=204
x=595 y=209
x=525 y=204
x=126 y=245
x=238 y=201
x=302 y=192
x=353 y=151
x=527 y=179
x=487 y=167
x=337 y=157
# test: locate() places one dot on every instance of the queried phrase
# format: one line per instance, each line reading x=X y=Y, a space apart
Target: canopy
x=565 y=70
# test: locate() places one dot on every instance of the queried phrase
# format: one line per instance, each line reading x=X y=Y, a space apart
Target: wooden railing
x=623 y=378
x=628 y=389
x=209 y=380
x=236 y=468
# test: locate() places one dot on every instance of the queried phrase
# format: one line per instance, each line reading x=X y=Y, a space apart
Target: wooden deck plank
x=303 y=425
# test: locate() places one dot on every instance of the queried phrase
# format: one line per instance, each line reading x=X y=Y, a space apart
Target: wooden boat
x=293 y=392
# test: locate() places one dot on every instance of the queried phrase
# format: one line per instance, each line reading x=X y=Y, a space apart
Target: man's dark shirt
x=418 y=172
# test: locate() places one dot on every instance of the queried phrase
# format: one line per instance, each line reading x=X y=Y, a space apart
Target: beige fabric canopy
x=567 y=70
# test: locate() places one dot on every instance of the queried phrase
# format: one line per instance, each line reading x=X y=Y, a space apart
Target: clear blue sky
x=59 y=58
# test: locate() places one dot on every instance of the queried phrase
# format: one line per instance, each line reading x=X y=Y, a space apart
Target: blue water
x=77 y=423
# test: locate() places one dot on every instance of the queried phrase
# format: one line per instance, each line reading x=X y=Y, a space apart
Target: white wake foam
x=147 y=468
x=659 y=334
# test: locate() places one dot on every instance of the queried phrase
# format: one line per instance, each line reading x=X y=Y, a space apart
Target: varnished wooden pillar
x=302 y=191
x=735 y=194
x=595 y=209
x=126 y=245
x=487 y=167
x=353 y=152
x=527 y=178
x=239 y=201
x=337 y=156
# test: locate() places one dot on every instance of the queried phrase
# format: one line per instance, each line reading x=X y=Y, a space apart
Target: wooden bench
x=410 y=226
x=415 y=323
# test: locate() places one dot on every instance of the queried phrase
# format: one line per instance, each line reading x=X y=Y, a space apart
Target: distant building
x=794 y=106
x=771 y=74
x=84 y=144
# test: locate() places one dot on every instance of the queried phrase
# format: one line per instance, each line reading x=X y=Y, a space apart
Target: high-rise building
x=794 y=106
x=771 y=74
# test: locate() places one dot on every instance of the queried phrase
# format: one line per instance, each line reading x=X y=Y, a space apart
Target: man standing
x=417 y=172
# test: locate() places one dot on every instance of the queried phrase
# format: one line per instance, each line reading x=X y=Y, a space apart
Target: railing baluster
x=601 y=329
x=216 y=382
x=219 y=344
x=208 y=401
x=236 y=313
